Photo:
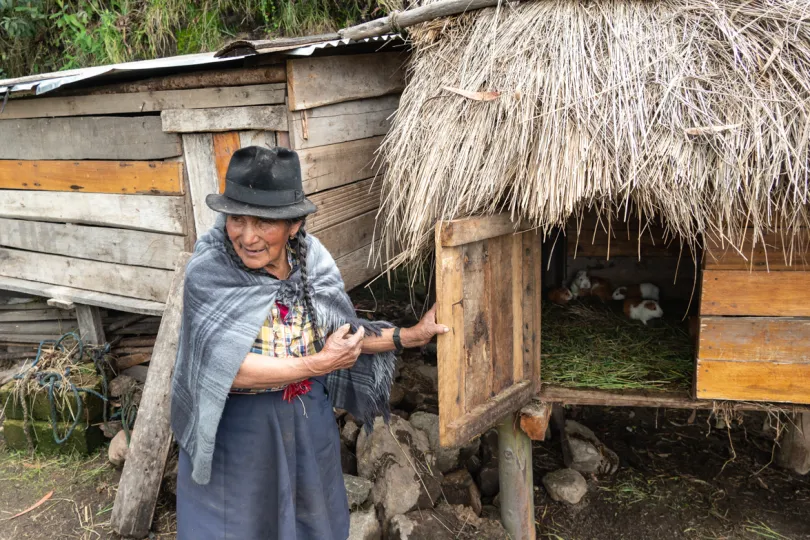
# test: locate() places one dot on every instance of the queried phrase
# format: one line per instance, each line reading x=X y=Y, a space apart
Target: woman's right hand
x=341 y=349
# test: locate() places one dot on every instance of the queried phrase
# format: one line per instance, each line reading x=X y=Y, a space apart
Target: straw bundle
x=693 y=111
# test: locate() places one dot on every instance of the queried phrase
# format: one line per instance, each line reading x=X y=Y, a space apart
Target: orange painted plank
x=753 y=381
x=122 y=177
x=740 y=292
x=755 y=339
x=225 y=144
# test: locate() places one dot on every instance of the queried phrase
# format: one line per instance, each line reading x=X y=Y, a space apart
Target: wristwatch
x=397 y=341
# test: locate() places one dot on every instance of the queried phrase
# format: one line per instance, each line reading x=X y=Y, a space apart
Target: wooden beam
x=137 y=282
x=318 y=81
x=90 y=327
x=478 y=419
x=135 y=248
x=140 y=481
x=346 y=237
x=755 y=339
x=276 y=73
x=270 y=118
x=342 y=122
x=459 y=232
x=402 y=19
x=740 y=292
x=36 y=315
x=335 y=165
x=142 y=212
x=753 y=381
x=125 y=177
x=515 y=472
x=202 y=177
x=87 y=137
x=343 y=203
x=42 y=327
x=145 y=102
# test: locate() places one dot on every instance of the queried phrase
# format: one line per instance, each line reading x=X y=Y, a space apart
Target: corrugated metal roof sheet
x=47 y=82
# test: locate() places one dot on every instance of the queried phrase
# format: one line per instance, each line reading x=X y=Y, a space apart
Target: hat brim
x=225 y=205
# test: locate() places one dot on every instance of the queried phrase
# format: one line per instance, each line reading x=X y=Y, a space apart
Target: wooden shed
x=104 y=171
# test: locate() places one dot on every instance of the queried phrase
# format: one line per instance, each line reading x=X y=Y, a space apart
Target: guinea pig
x=581 y=286
x=600 y=288
x=647 y=291
x=560 y=296
x=642 y=310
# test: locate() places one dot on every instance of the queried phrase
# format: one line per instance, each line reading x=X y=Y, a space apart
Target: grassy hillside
x=47 y=35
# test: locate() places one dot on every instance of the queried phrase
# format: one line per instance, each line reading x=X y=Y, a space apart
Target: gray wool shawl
x=224 y=307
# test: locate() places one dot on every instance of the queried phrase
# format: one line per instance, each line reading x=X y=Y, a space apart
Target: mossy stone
x=84 y=438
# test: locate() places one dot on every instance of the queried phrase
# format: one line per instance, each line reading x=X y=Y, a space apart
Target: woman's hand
x=421 y=333
x=340 y=350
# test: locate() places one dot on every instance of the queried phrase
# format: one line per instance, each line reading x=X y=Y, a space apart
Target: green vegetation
x=48 y=35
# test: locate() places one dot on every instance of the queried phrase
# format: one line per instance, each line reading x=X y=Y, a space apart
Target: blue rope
x=54 y=381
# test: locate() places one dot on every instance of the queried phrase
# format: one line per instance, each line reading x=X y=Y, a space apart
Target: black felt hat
x=265 y=183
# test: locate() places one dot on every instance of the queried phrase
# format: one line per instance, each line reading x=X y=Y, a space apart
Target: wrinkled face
x=260 y=243
x=618 y=294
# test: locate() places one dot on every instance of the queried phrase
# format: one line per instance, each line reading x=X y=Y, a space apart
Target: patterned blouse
x=287 y=331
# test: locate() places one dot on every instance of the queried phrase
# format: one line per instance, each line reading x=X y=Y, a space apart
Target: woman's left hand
x=421 y=333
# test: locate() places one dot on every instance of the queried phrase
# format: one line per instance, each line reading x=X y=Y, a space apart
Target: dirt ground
x=679 y=478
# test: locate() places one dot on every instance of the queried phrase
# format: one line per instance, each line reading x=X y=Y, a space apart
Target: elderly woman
x=269 y=344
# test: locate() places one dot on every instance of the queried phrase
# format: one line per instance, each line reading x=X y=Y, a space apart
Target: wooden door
x=488 y=292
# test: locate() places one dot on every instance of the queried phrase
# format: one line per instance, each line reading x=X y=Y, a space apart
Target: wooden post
x=794 y=448
x=517 y=485
x=90 y=328
x=151 y=437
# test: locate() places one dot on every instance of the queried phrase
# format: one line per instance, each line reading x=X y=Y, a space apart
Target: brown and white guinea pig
x=600 y=288
x=581 y=286
x=642 y=310
x=560 y=296
x=647 y=291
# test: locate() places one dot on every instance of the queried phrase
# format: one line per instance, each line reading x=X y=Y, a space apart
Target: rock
x=348 y=460
x=489 y=446
x=488 y=479
x=391 y=458
x=349 y=433
x=444 y=523
x=136 y=372
x=397 y=395
x=431 y=373
x=84 y=440
x=469 y=450
x=584 y=452
x=357 y=489
x=402 y=414
x=446 y=458
x=566 y=485
x=111 y=428
x=458 y=488
x=363 y=525
x=350 y=418
x=473 y=465
x=534 y=419
x=483 y=527
x=339 y=413
x=121 y=385
x=118 y=450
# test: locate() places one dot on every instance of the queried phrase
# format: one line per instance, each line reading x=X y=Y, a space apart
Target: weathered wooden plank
x=755 y=339
x=335 y=165
x=271 y=117
x=83 y=296
x=29 y=338
x=36 y=315
x=317 y=81
x=519 y=318
x=753 y=381
x=501 y=312
x=342 y=122
x=283 y=139
x=458 y=232
x=90 y=327
x=39 y=327
x=225 y=144
x=774 y=253
x=343 y=203
x=276 y=73
x=202 y=177
x=349 y=236
x=140 y=481
x=533 y=285
x=145 y=102
x=125 y=177
x=356 y=268
x=477 y=276
x=134 y=248
x=36 y=304
x=481 y=418
x=140 y=212
x=88 y=137
x=266 y=139
x=451 y=346
x=132 y=281
x=740 y=292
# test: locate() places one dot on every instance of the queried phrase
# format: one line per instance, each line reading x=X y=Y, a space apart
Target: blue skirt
x=276 y=474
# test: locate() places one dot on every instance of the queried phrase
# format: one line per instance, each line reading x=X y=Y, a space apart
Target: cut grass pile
x=593 y=346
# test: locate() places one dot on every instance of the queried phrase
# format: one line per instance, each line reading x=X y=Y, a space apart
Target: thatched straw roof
x=693 y=111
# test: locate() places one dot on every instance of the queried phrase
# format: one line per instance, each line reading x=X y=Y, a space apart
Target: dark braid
x=301 y=252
